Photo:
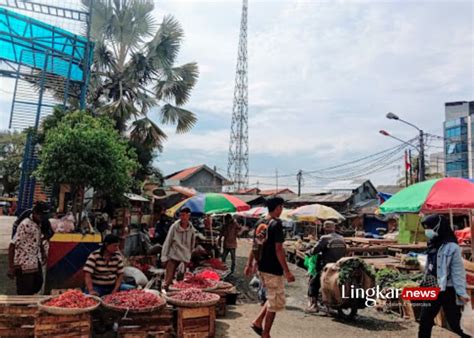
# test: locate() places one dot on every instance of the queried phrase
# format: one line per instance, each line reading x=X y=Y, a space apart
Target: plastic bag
x=136 y=274
x=255 y=282
x=310 y=263
x=467 y=319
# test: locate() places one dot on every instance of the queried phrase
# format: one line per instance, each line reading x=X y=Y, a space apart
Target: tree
x=134 y=70
x=12 y=146
x=86 y=152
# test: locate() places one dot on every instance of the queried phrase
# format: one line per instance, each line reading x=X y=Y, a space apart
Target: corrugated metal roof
x=345 y=185
x=327 y=198
x=249 y=198
x=276 y=192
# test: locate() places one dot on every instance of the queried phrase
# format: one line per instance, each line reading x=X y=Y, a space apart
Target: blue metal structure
x=50 y=66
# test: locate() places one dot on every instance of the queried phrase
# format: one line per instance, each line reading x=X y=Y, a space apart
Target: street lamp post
x=392 y=116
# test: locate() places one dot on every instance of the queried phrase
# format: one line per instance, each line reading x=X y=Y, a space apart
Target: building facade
x=458 y=142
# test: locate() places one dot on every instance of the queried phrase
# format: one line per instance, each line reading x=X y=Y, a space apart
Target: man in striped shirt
x=104 y=268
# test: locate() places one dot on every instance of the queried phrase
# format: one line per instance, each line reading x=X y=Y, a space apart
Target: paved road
x=5 y=231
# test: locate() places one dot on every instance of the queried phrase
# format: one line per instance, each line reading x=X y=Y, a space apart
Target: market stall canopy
x=258 y=212
x=210 y=203
x=313 y=212
x=434 y=195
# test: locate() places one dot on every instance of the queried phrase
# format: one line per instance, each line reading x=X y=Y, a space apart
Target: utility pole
x=411 y=166
x=299 y=178
x=422 y=156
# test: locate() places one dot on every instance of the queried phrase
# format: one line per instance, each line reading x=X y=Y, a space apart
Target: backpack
x=335 y=250
x=260 y=237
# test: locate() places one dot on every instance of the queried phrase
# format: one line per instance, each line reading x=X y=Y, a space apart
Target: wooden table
x=382 y=261
x=404 y=248
x=369 y=250
x=362 y=240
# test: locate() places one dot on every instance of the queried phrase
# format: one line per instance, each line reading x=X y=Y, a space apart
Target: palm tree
x=134 y=70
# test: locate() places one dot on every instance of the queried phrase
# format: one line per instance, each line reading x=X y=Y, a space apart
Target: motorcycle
x=336 y=296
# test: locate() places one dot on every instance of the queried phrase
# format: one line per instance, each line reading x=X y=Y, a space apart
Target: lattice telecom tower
x=238 y=166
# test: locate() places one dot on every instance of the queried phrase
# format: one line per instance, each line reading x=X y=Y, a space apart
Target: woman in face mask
x=445 y=270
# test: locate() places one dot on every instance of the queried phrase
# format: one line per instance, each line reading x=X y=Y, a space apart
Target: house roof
x=251 y=199
x=345 y=185
x=184 y=174
x=276 y=192
x=248 y=191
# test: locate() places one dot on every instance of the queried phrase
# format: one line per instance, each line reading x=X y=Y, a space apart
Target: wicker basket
x=182 y=303
x=65 y=311
x=142 y=310
x=224 y=285
x=172 y=288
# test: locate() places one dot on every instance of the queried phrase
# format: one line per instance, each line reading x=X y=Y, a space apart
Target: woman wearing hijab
x=445 y=270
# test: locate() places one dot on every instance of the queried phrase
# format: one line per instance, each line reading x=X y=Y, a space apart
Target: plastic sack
x=467 y=319
x=136 y=274
x=310 y=263
x=255 y=282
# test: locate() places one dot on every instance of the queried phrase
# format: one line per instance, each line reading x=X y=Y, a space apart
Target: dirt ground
x=292 y=322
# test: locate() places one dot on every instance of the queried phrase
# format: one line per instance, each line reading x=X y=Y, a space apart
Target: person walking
x=445 y=270
x=229 y=232
x=26 y=252
x=272 y=267
x=178 y=245
x=329 y=249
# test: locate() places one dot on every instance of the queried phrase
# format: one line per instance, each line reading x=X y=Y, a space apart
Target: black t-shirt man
x=269 y=261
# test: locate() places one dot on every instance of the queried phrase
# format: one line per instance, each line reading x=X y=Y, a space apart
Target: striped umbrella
x=210 y=203
x=313 y=212
x=434 y=195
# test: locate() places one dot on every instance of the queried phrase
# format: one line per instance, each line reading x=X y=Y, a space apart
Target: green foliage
x=12 y=146
x=349 y=267
x=391 y=278
x=134 y=70
x=86 y=151
x=386 y=277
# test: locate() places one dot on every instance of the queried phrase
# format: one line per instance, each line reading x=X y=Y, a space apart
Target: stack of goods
x=72 y=299
x=193 y=298
x=135 y=300
x=195 y=281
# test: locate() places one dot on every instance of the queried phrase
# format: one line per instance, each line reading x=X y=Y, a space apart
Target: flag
x=407 y=162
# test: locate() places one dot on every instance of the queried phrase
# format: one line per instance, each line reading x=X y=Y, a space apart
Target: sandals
x=256 y=329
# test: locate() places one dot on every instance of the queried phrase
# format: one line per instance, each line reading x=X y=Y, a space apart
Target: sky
x=322 y=76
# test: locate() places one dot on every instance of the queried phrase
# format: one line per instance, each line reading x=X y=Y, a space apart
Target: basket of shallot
x=71 y=302
x=194 y=282
x=192 y=298
x=134 y=301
